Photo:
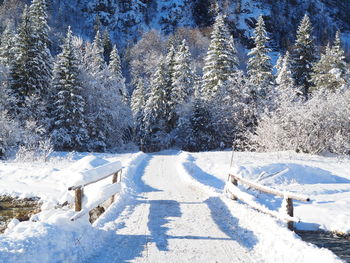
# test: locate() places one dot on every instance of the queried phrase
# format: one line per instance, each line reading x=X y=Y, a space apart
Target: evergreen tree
x=38 y=18
x=30 y=71
x=168 y=72
x=156 y=112
x=183 y=78
x=107 y=46
x=69 y=126
x=221 y=59
x=201 y=132
x=340 y=69
x=304 y=56
x=94 y=82
x=97 y=24
x=331 y=71
x=284 y=76
x=94 y=56
x=41 y=60
x=259 y=65
x=116 y=69
x=321 y=76
x=138 y=101
x=183 y=81
x=20 y=73
x=279 y=64
x=286 y=90
x=6 y=45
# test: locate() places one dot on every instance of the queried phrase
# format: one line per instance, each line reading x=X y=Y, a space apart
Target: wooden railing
x=79 y=188
x=233 y=179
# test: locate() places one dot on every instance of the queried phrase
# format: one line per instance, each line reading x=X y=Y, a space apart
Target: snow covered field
x=169 y=202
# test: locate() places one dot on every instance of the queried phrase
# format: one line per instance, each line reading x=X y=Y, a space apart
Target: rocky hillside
x=126 y=20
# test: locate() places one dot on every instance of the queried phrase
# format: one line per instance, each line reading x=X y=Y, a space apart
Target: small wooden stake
x=78 y=199
x=290 y=212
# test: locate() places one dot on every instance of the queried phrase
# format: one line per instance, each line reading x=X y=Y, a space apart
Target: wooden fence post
x=234 y=182
x=78 y=198
x=290 y=212
x=120 y=176
x=117 y=177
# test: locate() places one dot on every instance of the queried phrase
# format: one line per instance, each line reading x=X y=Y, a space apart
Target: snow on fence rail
x=93 y=176
x=288 y=198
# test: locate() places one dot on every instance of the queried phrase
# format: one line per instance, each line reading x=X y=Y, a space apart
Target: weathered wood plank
x=269 y=190
x=91 y=182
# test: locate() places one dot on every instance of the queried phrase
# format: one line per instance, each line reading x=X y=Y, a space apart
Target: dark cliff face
x=126 y=20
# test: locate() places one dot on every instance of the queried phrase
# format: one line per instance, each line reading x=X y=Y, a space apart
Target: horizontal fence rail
x=288 y=197
x=105 y=173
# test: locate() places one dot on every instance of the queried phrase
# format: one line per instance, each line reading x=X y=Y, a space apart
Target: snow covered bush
x=9 y=134
x=321 y=124
x=33 y=146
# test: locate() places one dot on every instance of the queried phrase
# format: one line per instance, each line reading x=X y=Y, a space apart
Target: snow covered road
x=172 y=221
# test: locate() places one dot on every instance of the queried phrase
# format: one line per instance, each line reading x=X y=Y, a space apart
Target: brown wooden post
x=290 y=212
x=78 y=198
x=114 y=180
x=120 y=175
x=233 y=180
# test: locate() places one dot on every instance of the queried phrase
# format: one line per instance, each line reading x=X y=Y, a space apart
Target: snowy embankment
x=51 y=236
x=274 y=242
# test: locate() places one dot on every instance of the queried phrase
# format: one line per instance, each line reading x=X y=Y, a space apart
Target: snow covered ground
x=171 y=208
x=326 y=180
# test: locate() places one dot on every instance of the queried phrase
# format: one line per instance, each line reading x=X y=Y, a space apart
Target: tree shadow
x=141 y=187
x=125 y=248
x=201 y=176
x=159 y=215
x=229 y=224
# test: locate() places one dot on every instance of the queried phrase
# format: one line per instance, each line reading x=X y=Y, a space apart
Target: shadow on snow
x=229 y=224
x=201 y=176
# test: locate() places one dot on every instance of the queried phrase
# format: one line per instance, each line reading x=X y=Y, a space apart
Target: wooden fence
x=289 y=197
x=79 y=188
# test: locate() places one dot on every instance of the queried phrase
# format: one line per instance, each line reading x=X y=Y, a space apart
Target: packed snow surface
x=171 y=207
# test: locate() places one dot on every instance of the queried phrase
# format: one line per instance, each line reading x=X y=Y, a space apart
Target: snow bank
x=294 y=174
x=51 y=236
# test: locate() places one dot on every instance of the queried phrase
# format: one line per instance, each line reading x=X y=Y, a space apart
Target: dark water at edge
x=338 y=245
